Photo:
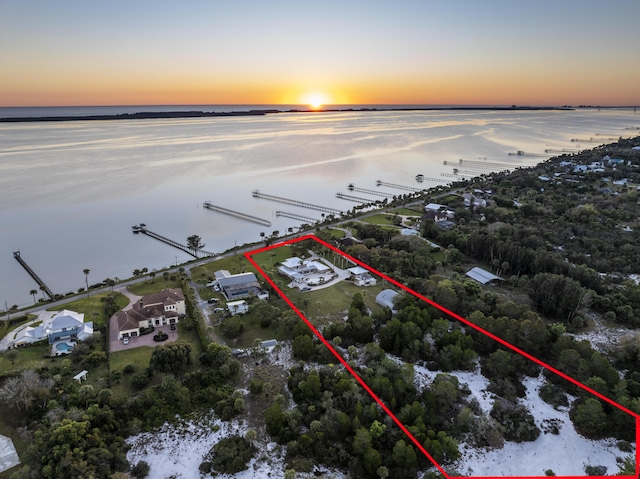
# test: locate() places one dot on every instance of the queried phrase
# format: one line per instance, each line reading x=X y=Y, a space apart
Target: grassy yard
x=24 y=358
x=7 y=326
x=408 y=211
x=153 y=285
x=380 y=219
x=93 y=307
x=235 y=264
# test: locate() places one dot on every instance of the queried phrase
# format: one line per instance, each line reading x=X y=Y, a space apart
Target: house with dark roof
x=158 y=309
x=238 y=286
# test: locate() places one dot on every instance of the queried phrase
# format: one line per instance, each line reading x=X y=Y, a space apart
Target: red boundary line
x=249 y=255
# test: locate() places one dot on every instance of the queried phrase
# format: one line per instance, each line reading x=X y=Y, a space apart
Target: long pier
x=399 y=187
x=302 y=204
x=210 y=206
x=32 y=273
x=480 y=164
x=357 y=199
x=421 y=178
x=295 y=216
x=142 y=228
x=352 y=187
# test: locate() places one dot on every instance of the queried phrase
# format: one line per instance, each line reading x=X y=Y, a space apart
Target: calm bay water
x=70 y=191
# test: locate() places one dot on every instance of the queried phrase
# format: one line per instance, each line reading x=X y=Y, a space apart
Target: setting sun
x=316 y=100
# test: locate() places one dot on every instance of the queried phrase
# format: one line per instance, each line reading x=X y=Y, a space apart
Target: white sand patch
x=476 y=382
x=603 y=337
x=566 y=454
x=176 y=451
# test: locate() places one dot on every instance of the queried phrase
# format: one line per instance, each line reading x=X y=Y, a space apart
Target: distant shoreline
x=150 y=115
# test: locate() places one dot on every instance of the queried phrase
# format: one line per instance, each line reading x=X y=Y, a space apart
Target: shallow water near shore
x=70 y=192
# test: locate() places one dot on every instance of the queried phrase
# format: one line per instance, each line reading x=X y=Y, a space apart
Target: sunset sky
x=538 y=52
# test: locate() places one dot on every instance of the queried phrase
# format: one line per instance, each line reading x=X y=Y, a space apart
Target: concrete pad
x=8 y=455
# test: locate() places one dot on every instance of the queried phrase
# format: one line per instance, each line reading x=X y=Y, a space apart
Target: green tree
x=590 y=419
x=172 y=358
x=34 y=293
x=303 y=348
x=194 y=242
x=86 y=272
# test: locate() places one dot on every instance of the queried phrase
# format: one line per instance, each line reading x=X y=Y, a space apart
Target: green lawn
x=153 y=285
x=234 y=264
x=25 y=357
x=336 y=233
x=408 y=212
x=6 y=327
x=379 y=219
x=93 y=307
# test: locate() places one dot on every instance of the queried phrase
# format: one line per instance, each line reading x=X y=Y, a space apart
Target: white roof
x=482 y=276
x=358 y=270
x=236 y=303
x=434 y=207
x=292 y=262
x=386 y=297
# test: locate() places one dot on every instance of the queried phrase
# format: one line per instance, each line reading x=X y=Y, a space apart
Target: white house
x=237 y=307
x=302 y=266
x=361 y=276
x=159 y=309
x=65 y=325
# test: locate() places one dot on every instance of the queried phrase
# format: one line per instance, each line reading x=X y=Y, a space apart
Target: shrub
x=231 y=455
x=517 y=421
x=160 y=336
x=140 y=470
x=129 y=368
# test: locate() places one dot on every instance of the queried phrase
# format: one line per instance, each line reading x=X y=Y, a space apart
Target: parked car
x=125 y=341
x=173 y=326
x=212 y=301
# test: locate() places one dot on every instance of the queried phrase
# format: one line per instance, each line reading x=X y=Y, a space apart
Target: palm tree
x=42 y=288
x=153 y=275
x=33 y=293
x=86 y=272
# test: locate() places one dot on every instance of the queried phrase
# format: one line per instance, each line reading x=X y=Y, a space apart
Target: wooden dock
x=356 y=199
x=210 y=206
x=294 y=216
x=142 y=228
x=301 y=204
x=32 y=273
x=398 y=187
x=352 y=187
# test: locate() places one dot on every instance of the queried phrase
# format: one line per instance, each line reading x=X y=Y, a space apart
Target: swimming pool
x=63 y=347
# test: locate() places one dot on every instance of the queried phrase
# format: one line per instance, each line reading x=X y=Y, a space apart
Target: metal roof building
x=482 y=276
x=386 y=298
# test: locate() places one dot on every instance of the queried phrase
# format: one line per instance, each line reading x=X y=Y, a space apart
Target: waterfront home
x=65 y=326
x=238 y=286
x=158 y=309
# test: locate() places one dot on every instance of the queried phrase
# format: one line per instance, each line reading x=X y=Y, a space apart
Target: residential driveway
x=116 y=344
x=7 y=341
